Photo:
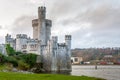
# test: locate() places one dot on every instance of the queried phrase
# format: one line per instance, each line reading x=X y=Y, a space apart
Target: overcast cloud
x=92 y=23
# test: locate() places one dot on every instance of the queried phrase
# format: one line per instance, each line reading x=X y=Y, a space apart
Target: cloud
x=22 y=25
x=0 y=27
x=92 y=23
x=102 y=17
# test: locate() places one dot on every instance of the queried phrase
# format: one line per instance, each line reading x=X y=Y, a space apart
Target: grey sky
x=92 y=23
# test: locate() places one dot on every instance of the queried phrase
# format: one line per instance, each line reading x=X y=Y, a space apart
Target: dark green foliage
x=30 y=59
x=20 y=60
x=3 y=59
x=18 y=53
x=10 y=50
x=12 y=60
x=8 y=59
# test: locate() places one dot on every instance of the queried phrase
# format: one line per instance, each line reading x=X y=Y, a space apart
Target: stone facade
x=3 y=49
x=22 y=43
x=54 y=56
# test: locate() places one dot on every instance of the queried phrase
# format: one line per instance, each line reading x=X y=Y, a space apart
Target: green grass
x=20 y=76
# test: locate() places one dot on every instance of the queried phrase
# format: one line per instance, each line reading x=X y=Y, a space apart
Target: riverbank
x=21 y=76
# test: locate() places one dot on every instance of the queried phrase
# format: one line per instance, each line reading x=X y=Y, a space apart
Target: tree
x=10 y=50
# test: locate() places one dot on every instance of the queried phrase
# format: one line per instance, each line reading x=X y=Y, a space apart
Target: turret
x=7 y=39
x=21 y=39
x=10 y=40
x=54 y=41
x=42 y=12
x=42 y=26
x=68 y=45
x=68 y=41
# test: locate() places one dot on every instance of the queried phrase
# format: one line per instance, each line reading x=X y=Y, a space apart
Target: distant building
x=76 y=60
x=109 y=59
x=54 y=56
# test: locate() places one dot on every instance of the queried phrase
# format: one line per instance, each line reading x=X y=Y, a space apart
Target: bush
x=12 y=60
x=3 y=58
x=28 y=58
x=20 y=60
x=8 y=59
x=23 y=66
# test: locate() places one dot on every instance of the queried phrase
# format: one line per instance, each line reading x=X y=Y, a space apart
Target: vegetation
x=18 y=60
x=20 y=76
x=10 y=50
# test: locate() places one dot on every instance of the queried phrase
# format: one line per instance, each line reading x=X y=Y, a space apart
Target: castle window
x=24 y=46
x=35 y=45
x=31 y=46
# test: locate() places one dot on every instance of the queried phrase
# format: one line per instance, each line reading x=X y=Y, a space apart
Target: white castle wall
x=3 y=49
x=33 y=46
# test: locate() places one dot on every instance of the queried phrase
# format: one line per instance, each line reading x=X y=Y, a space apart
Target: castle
x=54 y=56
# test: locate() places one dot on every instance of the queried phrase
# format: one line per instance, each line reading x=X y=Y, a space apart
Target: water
x=106 y=72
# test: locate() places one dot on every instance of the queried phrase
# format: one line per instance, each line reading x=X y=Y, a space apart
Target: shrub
x=3 y=58
x=28 y=58
x=12 y=60
x=23 y=66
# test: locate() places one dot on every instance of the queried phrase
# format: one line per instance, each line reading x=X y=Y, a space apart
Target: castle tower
x=42 y=12
x=68 y=41
x=42 y=26
x=68 y=45
x=10 y=40
x=7 y=39
x=54 y=53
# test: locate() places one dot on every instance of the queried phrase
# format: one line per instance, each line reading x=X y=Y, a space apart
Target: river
x=107 y=72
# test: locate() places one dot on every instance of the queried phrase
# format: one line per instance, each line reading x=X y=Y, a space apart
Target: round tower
x=68 y=41
x=68 y=46
x=42 y=12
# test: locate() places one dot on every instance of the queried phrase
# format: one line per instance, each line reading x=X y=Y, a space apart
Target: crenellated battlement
x=22 y=36
x=32 y=41
x=41 y=12
x=61 y=45
x=42 y=8
x=68 y=37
